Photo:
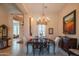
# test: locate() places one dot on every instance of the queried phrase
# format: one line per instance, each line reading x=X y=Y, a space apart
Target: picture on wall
x=69 y=23
x=50 y=30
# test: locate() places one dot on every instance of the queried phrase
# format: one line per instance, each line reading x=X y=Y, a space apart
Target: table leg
x=27 y=48
x=54 y=48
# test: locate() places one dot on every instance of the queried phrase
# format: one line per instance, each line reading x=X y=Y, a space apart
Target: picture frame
x=69 y=23
x=50 y=30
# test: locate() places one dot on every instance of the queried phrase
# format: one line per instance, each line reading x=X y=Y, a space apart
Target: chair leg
x=39 y=51
x=68 y=53
x=54 y=50
x=33 y=51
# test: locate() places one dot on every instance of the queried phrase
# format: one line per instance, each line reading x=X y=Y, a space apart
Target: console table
x=74 y=52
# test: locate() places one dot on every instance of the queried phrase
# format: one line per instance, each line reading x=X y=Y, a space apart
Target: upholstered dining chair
x=57 y=39
x=36 y=46
x=44 y=46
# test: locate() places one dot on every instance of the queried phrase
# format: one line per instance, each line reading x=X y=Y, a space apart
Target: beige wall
x=7 y=19
x=3 y=16
x=52 y=23
x=67 y=9
x=26 y=27
x=56 y=22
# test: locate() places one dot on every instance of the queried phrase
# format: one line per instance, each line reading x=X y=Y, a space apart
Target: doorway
x=16 y=28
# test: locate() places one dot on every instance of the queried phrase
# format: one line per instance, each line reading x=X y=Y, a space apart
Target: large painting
x=69 y=23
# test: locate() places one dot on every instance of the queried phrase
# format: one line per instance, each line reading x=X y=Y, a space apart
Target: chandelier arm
x=43 y=19
x=43 y=9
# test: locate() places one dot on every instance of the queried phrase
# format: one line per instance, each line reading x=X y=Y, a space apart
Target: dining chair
x=36 y=46
x=44 y=46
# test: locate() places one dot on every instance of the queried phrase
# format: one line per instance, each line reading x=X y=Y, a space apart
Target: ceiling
x=34 y=8
x=11 y=8
x=37 y=8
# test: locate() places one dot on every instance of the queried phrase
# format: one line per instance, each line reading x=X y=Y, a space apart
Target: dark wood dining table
x=40 y=42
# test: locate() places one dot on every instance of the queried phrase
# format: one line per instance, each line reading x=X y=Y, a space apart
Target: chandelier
x=43 y=19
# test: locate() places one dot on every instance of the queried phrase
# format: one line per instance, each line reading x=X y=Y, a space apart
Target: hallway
x=15 y=50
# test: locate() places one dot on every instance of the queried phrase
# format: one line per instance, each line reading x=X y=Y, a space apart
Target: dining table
x=40 y=43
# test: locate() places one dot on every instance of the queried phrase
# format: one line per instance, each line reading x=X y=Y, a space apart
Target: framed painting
x=50 y=30
x=69 y=23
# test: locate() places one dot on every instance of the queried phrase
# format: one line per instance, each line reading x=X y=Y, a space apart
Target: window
x=41 y=30
x=15 y=27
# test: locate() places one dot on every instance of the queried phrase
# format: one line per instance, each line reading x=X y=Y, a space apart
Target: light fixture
x=43 y=19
